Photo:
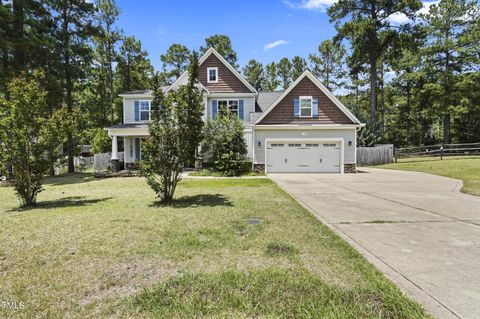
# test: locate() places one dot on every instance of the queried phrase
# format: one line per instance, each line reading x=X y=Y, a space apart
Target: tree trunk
x=110 y=75
x=373 y=93
x=68 y=87
x=18 y=35
x=446 y=128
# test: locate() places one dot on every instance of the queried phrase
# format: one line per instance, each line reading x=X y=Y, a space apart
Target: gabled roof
x=322 y=88
x=266 y=99
x=225 y=62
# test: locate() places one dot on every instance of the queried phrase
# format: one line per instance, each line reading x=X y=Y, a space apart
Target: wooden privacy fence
x=376 y=155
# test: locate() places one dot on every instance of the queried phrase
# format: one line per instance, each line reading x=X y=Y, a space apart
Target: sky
x=265 y=30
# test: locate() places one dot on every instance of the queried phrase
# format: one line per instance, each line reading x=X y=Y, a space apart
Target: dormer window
x=212 y=75
x=306 y=106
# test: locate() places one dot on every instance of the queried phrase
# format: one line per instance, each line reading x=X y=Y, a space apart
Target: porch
x=131 y=135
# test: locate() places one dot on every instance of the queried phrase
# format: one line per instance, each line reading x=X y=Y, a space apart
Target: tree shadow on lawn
x=201 y=200
x=66 y=179
x=71 y=201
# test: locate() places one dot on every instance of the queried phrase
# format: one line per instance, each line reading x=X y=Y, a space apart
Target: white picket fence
x=376 y=155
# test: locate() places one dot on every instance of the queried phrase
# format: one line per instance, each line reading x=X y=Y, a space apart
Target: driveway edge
x=431 y=305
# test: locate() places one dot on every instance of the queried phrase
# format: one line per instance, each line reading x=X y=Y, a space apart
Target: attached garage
x=304 y=156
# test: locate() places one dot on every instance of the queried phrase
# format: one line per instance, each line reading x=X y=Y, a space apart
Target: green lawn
x=104 y=248
x=465 y=168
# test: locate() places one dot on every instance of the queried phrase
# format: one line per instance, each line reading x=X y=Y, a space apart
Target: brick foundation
x=349 y=168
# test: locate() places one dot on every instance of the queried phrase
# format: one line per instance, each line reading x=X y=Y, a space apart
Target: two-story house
x=303 y=129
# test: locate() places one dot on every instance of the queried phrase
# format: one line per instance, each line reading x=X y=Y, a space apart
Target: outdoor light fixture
x=259 y=143
x=349 y=143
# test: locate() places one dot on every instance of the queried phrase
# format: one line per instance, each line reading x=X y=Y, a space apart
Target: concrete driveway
x=417 y=228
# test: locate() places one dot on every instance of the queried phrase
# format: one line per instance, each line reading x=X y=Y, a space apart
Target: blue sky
x=296 y=27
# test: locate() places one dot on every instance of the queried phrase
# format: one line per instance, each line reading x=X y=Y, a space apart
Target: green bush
x=224 y=146
x=101 y=143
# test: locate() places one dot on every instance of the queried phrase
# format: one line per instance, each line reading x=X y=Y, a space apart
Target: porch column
x=114 y=160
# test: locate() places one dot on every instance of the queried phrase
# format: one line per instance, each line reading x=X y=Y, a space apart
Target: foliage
x=224 y=146
x=101 y=143
x=175 y=132
x=329 y=64
x=134 y=70
x=223 y=45
x=367 y=26
x=254 y=74
x=29 y=136
x=161 y=152
x=189 y=110
x=284 y=71
x=367 y=137
x=175 y=62
x=271 y=82
x=299 y=65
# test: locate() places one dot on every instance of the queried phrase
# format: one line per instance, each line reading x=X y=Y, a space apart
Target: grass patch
x=92 y=247
x=465 y=168
x=269 y=293
x=280 y=249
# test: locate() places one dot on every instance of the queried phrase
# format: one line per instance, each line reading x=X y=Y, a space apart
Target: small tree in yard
x=101 y=143
x=30 y=136
x=175 y=133
x=189 y=109
x=224 y=145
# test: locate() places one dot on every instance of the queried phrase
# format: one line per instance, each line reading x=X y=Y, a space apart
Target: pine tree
x=329 y=64
x=284 y=71
x=362 y=22
x=223 y=45
x=254 y=74
x=175 y=62
x=299 y=65
x=271 y=81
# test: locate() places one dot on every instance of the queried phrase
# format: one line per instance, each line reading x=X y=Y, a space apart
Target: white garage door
x=303 y=157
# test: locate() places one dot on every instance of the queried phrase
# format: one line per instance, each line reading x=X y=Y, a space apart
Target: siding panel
x=328 y=112
x=227 y=81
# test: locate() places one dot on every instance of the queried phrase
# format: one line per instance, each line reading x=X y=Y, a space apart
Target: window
x=329 y=145
x=277 y=145
x=306 y=106
x=294 y=145
x=212 y=75
x=144 y=110
x=230 y=106
x=311 y=145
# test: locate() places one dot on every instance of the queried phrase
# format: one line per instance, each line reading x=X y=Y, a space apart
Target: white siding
x=248 y=136
x=129 y=109
x=248 y=106
x=347 y=135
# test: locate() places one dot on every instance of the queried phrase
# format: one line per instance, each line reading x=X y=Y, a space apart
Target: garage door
x=303 y=157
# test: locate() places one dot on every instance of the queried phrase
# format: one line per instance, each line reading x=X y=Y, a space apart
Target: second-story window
x=212 y=75
x=230 y=106
x=144 y=110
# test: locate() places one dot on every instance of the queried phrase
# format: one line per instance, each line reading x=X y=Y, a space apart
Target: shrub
x=224 y=146
x=101 y=142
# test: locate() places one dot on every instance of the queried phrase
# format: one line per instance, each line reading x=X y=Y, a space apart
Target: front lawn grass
x=106 y=248
x=208 y=172
x=465 y=168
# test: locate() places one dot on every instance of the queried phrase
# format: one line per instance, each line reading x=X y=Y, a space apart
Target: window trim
x=216 y=75
x=140 y=110
x=300 y=98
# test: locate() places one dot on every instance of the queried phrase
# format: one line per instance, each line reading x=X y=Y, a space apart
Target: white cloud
x=400 y=18
x=319 y=5
x=314 y=5
x=274 y=44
